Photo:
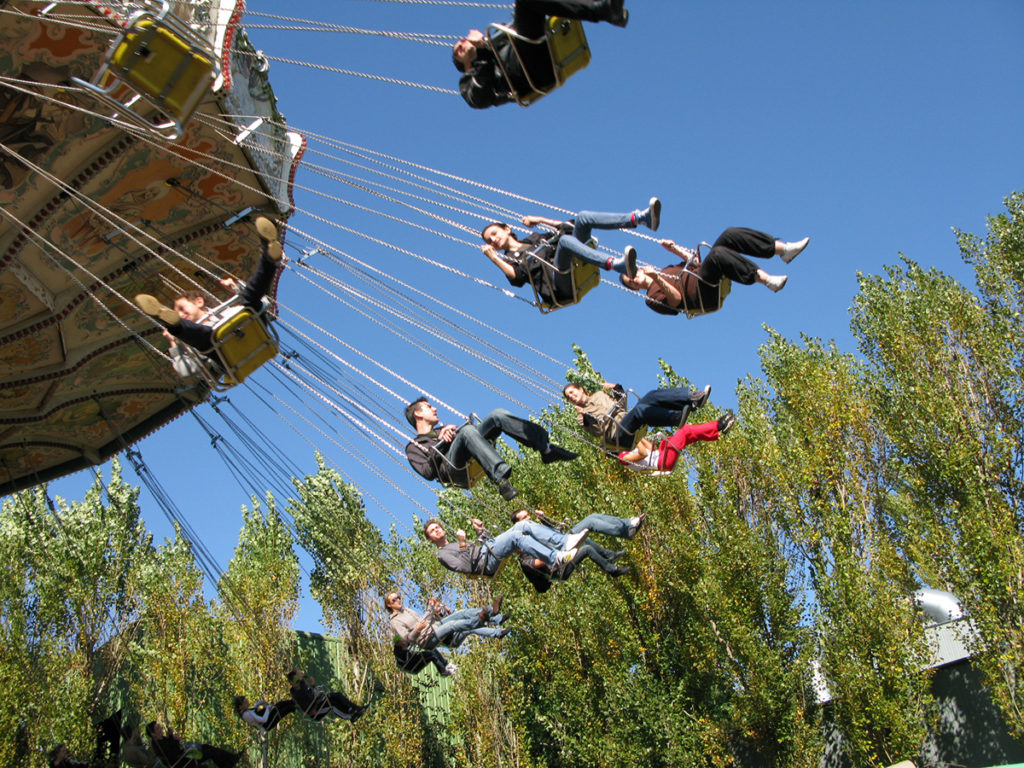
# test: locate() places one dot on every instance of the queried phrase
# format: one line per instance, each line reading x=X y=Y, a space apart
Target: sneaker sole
x=274 y=251
x=655 y=206
x=152 y=307
x=787 y=259
x=265 y=228
x=705 y=395
x=631 y=262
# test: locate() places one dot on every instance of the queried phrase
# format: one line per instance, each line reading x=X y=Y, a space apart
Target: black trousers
x=528 y=15
x=726 y=257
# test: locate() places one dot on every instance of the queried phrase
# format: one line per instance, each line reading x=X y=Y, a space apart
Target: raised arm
x=507 y=269
x=533 y=221
x=641 y=452
x=673 y=296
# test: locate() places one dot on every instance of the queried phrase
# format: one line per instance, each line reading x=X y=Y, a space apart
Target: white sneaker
x=565 y=557
x=449 y=670
x=573 y=540
x=791 y=250
x=776 y=282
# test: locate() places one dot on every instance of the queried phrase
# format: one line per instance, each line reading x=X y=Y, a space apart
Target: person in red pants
x=647 y=457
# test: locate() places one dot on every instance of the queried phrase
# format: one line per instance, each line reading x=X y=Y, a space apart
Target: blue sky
x=872 y=127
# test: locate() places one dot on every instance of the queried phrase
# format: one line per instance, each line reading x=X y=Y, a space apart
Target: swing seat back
x=724 y=287
x=488 y=576
x=243 y=344
x=619 y=410
x=158 y=63
x=567 y=45
x=464 y=477
x=583 y=278
x=467 y=475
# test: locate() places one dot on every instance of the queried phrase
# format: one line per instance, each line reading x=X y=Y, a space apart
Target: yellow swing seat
x=158 y=62
x=567 y=45
x=584 y=277
x=243 y=343
x=243 y=340
x=724 y=287
x=466 y=476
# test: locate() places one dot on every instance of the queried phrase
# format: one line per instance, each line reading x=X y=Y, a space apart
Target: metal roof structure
x=96 y=210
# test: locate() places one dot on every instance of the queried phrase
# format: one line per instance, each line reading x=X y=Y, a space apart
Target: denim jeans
x=606 y=524
x=473 y=440
x=575 y=244
x=527 y=537
x=597 y=553
x=658 y=408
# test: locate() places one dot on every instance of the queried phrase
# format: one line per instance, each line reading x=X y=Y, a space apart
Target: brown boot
x=152 y=307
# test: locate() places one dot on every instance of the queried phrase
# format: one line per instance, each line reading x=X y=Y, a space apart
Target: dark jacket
x=423 y=454
x=542 y=245
x=484 y=85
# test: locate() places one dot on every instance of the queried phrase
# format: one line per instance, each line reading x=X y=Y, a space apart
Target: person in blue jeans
x=595 y=522
x=539 y=574
x=484 y=557
x=557 y=246
x=440 y=626
x=441 y=451
x=602 y=413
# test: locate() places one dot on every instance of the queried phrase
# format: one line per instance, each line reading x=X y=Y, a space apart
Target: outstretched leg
x=726 y=258
x=270 y=256
x=525 y=432
x=668 y=451
x=528 y=15
x=662 y=408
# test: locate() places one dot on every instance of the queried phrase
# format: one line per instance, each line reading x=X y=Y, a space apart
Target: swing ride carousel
x=137 y=145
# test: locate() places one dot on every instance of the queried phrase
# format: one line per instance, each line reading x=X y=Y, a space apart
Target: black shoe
x=617 y=15
x=615 y=556
x=621 y=570
x=507 y=491
x=357 y=713
x=696 y=401
x=557 y=453
x=726 y=422
x=504 y=632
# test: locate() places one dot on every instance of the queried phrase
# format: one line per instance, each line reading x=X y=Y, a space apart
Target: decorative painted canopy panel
x=95 y=211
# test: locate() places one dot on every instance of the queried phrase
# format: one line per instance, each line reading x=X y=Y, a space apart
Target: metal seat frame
x=563 y=64
x=228 y=376
x=724 y=286
x=128 y=69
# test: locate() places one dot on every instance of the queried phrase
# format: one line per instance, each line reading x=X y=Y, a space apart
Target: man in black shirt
x=439 y=451
x=483 y=84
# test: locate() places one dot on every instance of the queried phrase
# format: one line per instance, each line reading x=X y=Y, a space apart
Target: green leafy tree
x=957 y=433
x=67 y=605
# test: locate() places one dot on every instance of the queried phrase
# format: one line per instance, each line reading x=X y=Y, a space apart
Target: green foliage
x=957 y=433
x=788 y=549
x=584 y=373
